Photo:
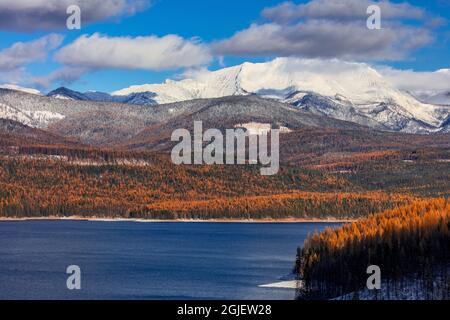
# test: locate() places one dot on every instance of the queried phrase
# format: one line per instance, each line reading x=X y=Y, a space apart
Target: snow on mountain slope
x=43 y=112
x=38 y=118
x=353 y=92
x=66 y=94
x=221 y=83
x=142 y=98
x=358 y=86
x=18 y=88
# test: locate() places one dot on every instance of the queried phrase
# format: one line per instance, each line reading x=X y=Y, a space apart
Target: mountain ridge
x=141 y=98
x=344 y=91
x=354 y=86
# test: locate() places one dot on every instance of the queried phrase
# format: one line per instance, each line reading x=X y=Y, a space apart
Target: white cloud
x=31 y=15
x=149 y=53
x=332 y=28
x=325 y=39
x=340 y=10
x=22 y=53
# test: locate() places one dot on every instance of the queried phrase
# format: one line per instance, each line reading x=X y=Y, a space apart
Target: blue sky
x=216 y=22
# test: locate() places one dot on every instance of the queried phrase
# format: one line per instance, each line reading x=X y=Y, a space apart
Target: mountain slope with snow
x=352 y=92
x=19 y=88
x=109 y=123
x=67 y=94
x=33 y=118
x=356 y=87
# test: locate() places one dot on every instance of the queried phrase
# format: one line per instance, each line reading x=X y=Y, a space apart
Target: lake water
x=133 y=260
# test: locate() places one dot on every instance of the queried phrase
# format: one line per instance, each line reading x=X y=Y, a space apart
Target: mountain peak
x=355 y=81
x=65 y=93
x=143 y=98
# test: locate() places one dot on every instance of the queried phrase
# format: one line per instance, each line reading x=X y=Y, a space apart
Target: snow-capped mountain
x=221 y=83
x=64 y=93
x=141 y=98
x=19 y=88
x=348 y=91
x=343 y=90
x=98 y=96
x=110 y=123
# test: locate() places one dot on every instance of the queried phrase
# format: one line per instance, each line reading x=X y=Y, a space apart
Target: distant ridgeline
x=410 y=244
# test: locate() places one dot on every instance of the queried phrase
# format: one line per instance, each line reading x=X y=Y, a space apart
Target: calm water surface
x=133 y=260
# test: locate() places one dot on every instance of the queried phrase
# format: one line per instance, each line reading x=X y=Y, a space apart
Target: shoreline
x=97 y=219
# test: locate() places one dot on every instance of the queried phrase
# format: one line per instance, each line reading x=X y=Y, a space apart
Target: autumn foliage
x=339 y=175
x=152 y=188
x=409 y=241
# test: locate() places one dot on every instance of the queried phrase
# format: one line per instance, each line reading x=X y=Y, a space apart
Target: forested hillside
x=151 y=187
x=324 y=173
x=409 y=243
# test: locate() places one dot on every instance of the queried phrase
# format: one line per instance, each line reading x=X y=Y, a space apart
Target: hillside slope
x=15 y=134
x=409 y=242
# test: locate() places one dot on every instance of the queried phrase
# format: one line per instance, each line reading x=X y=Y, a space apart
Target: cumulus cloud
x=340 y=10
x=31 y=15
x=332 y=28
x=22 y=53
x=325 y=39
x=150 y=53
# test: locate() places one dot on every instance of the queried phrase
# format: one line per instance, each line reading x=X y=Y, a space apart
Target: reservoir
x=150 y=260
